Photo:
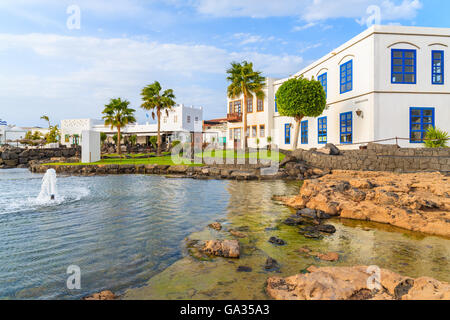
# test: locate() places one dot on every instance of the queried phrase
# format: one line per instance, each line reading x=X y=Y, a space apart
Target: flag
x=3 y=123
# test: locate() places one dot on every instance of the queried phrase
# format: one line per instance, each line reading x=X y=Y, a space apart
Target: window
x=260 y=105
x=196 y=119
x=237 y=134
x=262 y=131
x=304 y=132
x=403 y=66
x=287 y=133
x=437 y=67
x=323 y=80
x=322 y=130
x=230 y=107
x=175 y=119
x=276 y=106
x=237 y=106
x=420 y=120
x=247 y=132
x=188 y=119
x=250 y=105
x=346 y=126
x=254 y=131
x=347 y=77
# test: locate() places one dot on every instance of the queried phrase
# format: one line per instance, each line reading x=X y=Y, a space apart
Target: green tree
x=53 y=135
x=244 y=81
x=118 y=114
x=153 y=141
x=46 y=118
x=103 y=137
x=298 y=98
x=154 y=99
x=132 y=139
x=436 y=138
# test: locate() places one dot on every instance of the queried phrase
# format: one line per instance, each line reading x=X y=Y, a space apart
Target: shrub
x=153 y=141
x=175 y=143
x=436 y=138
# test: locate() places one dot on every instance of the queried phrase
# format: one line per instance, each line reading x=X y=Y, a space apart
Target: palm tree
x=154 y=99
x=247 y=82
x=117 y=114
x=46 y=118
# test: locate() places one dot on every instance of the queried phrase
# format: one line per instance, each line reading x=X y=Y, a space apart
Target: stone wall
x=21 y=158
x=379 y=158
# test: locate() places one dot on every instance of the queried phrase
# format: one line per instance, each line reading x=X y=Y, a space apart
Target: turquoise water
x=126 y=230
x=120 y=230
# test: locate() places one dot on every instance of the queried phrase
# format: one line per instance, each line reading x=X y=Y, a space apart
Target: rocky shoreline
x=355 y=283
x=416 y=201
x=292 y=171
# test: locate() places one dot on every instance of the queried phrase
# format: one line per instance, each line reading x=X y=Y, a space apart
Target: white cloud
x=248 y=38
x=79 y=74
x=308 y=10
x=304 y=27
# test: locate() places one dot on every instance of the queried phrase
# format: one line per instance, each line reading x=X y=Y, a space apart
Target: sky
x=67 y=59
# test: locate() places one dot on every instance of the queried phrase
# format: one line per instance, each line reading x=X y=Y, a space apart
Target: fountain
x=48 y=188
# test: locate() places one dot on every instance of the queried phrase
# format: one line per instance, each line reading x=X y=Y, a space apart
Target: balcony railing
x=234 y=117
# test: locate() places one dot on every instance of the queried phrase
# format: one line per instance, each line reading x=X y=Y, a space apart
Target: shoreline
x=204 y=276
x=412 y=201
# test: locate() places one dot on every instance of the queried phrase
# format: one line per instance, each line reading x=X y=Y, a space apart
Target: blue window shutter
x=346 y=127
x=437 y=67
x=287 y=133
x=403 y=66
x=420 y=119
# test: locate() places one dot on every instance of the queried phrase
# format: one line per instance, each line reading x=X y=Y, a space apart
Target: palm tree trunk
x=245 y=127
x=118 y=141
x=297 y=131
x=158 y=114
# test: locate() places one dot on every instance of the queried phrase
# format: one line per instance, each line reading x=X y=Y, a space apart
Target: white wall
x=90 y=146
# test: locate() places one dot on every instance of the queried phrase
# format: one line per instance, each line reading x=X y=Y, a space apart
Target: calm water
x=120 y=230
x=124 y=230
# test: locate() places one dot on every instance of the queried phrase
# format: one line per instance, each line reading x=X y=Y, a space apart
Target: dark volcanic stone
x=313 y=235
x=277 y=241
x=327 y=228
x=306 y=212
x=322 y=215
x=294 y=221
x=271 y=264
x=244 y=269
x=403 y=288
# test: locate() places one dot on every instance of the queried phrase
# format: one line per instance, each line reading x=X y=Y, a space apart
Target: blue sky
x=122 y=45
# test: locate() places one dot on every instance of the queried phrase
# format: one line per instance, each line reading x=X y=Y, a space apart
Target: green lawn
x=164 y=160
x=167 y=159
x=135 y=155
x=253 y=155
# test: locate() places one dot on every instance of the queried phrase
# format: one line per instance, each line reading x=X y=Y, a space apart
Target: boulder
x=244 y=269
x=225 y=248
x=271 y=264
x=104 y=295
x=238 y=234
x=277 y=241
x=216 y=226
x=351 y=283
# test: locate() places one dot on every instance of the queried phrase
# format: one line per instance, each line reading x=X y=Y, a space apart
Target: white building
x=387 y=82
x=178 y=125
x=215 y=131
x=11 y=134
